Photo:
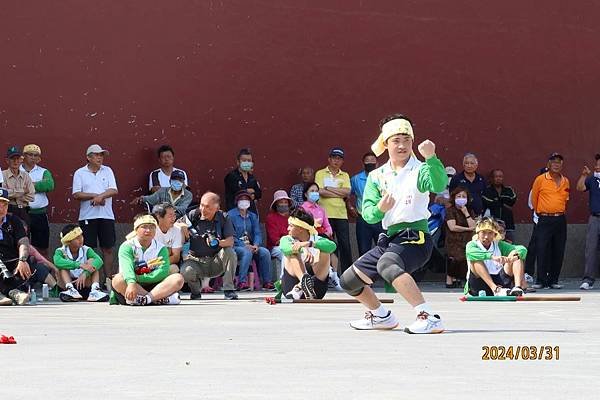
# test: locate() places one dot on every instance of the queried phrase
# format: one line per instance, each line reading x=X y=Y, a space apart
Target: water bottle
x=32 y=297
x=481 y=293
x=45 y=292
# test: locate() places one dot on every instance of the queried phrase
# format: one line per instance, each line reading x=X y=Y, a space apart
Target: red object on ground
x=7 y=340
x=270 y=300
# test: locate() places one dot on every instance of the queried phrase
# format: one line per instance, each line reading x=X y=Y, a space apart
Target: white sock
x=424 y=307
x=95 y=286
x=148 y=298
x=380 y=311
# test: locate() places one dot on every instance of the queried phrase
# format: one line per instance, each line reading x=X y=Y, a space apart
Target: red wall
x=511 y=81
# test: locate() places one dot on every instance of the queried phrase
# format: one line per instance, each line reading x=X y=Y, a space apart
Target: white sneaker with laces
x=139 y=301
x=501 y=292
x=71 y=294
x=334 y=280
x=586 y=286
x=426 y=323
x=172 y=300
x=371 y=322
x=97 y=295
x=516 y=291
x=295 y=294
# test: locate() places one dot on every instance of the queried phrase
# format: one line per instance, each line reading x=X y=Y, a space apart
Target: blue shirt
x=592 y=184
x=475 y=188
x=242 y=226
x=357 y=188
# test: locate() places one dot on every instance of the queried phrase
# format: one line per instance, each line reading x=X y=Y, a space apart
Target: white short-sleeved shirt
x=164 y=179
x=86 y=181
x=172 y=239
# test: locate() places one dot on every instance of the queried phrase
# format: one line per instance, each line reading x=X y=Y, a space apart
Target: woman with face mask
x=276 y=225
x=311 y=205
x=461 y=225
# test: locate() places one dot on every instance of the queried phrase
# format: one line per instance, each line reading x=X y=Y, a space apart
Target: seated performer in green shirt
x=494 y=265
x=307 y=257
x=144 y=269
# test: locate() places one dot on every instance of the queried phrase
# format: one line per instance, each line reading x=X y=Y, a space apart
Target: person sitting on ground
x=461 y=224
x=248 y=241
x=168 y=234
x=276 y=224
x=79 y=267
x=296 y=192
x=211 y=247
x=494 y=265
x=176 y=195
x=144 y=277
x=306 y=258
x=160 y=178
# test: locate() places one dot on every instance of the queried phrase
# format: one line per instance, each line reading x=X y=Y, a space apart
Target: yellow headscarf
x=65 y=239
x=298 y=222
x=144 y=219
x=391 y=128
x=487 y=224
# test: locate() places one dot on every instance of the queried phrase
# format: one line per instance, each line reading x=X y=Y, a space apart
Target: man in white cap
x=43 y=182
x=94 y=186
x=397 y=194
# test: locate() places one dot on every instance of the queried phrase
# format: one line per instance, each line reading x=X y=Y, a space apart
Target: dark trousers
x=341 y=230
x=551 y=237
x=531 y=254
x=366 y=234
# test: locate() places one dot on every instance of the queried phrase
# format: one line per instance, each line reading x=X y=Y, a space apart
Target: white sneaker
x=556 y=286
x=172 y=300
x=71 y=294
x=586 y=286
x=529 y=279
x=139 y=301
x=295 y=294
x=97 y=295
x=501 y=292
x=334 y=280
x=426 y=323
x=516 y=291
x=371 y=321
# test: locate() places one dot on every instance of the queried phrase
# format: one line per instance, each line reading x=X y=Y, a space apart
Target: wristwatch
x=23 y=258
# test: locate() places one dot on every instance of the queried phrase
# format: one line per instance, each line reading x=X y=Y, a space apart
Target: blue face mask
x=176 y=185
x=313 y=197
x=246 y=165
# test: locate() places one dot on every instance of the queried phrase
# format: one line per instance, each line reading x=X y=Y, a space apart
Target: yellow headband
x=71 y=235
x=301 y=224
x=487 y=225
x=32 y=148
x=389 y=129
x=143 y=220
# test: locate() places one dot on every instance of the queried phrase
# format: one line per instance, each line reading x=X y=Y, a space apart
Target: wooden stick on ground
x=272 y=300
x=519 y=298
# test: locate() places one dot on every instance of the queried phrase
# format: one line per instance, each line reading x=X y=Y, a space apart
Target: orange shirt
x=547 y=197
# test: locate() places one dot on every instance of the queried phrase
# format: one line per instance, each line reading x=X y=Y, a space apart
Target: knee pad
x=351 y=282
x=390 y=266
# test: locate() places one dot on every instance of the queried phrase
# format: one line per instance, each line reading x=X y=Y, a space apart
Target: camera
x=211 y=239
x=4 y=272
x=194 y=233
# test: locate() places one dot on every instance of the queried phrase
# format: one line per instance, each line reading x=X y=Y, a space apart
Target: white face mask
x=243 y=204
x=597 y=175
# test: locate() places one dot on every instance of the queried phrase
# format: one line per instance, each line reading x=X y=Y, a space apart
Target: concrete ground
x=216 y=349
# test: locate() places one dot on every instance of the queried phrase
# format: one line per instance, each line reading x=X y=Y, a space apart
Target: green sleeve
x=371 y=196
x=285 y=245
x=474 y=252
x=62 y=261
x=325 y=245
x=506 y=248
x=159 y=273
x=95 y=259
x=46 y=184
x=126 y=263
x=432 y=176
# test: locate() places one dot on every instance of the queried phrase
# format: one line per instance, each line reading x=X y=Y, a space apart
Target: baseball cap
x=95 y=148
x=13 y=151
x=32 y=148
x=4 y=195
x=177 y=174
x=556 y=155
x=336 y=152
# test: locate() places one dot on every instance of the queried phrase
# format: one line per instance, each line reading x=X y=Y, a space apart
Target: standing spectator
x=176 y=194
x=18 y=183
x=14 y=252
x=168 y=234
x=366 y=234
x=335 y=187
x=591 y=183
x=161 y=177
x=248 y=243
x=94 y=186
x=461 y=225
x=276 y=225
x=296 y=192
x=242 y=178
x=531 y=250
x=470 y=179
x=549 y=196
x=43 y=182
x=211 y=247
x=500 y=199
